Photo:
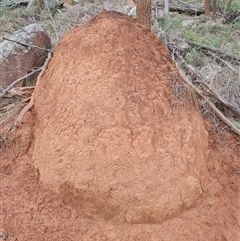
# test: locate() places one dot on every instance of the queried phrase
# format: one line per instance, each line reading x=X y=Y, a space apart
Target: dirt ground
x=31 y=206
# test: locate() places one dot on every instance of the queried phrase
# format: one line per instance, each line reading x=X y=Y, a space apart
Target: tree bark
x=214 y=11
x=207 y=7
x=144 y=12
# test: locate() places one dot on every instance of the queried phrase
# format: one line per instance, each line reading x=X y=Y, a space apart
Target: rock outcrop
x=17 y=60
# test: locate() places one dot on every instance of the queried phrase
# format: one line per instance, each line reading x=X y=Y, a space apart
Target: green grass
x=203 y=36
x=215 y=35
x=167 y=24
x=195 y=57
x=203 y=30
x=14 y=19
x=225 y=5
x=229 y=5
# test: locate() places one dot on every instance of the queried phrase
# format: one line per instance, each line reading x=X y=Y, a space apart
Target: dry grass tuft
x=9 y=107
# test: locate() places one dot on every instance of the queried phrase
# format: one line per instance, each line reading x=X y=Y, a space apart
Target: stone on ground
x=17 y=60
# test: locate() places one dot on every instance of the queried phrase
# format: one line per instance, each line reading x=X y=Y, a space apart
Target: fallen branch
x=201 y=94
x=213 y=94
x=20 y=91
x=210 y=91
x=188 y=9
x=27 y=45
x=231 y=17
x=18 y=121
x=17 y=81
x=223 y=62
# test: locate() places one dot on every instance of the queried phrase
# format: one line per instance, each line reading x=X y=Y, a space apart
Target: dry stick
x=27 y=45
x=17 y=81
x=231 y=107
x=18 y=121
x=210 y=91
x=188 y=9
x=30 y=4
x=211 y=105
x=21 y=91
x=54 y=23
x=193 y=7
x=213 y=94
x=224 y=62
x=204 y=46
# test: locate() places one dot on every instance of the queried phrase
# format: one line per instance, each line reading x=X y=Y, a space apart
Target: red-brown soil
x=74 y=171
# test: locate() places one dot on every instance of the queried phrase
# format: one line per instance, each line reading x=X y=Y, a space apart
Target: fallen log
x=187 y=9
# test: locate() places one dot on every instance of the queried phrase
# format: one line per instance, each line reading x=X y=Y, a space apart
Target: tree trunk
x=214 y=8
x=144 y=12
x=207 y=7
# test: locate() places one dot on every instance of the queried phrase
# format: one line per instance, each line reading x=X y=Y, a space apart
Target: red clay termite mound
x=114 y=136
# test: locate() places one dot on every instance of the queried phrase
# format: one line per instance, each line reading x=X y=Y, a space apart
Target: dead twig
x=17 y=81
x=201 y=94
x=53 y=23
x=223 y=62
x=27 y=45
x=212 y=93
x=190 y=5
x=187 y=8
x=18 y=121
x=20 y=91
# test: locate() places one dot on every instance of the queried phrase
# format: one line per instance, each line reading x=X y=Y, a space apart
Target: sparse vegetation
x=229 y=5
x=221 y=72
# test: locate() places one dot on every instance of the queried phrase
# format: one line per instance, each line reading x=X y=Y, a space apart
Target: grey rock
x=17 y=60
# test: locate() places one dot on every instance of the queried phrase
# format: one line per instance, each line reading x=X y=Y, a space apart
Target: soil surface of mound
x=108 y=137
